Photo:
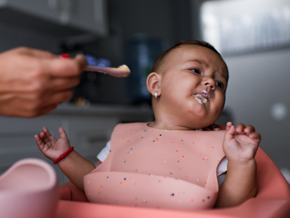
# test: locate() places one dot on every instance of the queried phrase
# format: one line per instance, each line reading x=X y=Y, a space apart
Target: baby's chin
x=200 y=122
x=197 y=125
x=204 y=116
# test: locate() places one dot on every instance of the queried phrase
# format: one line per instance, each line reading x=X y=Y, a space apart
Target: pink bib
x=150 y=167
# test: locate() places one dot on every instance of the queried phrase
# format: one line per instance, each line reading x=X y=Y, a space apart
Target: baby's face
x=193 y=85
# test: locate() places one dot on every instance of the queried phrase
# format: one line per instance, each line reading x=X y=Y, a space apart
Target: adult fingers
x=50 y=85
x=41 y=111
x=61 y=67
x=79 y=59
x=30 y=113
x=58 y=97
x=35 y=52
x=31 y=101
x=64 y=83
x=18 y=105
x=82 y=62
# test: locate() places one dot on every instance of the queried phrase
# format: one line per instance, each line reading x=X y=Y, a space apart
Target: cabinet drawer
x=32 y=126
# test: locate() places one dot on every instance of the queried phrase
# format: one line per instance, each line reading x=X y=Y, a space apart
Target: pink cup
x=28 y=189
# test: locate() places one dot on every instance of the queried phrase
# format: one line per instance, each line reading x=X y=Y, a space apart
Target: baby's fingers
x=48 y=136
x=229 y=124
x=249 y=129
x=39 y=142
x=240 y=128
x=230 y=132
x=62 y=133
x=255 y=135
x=45 y=130
x=41 y=135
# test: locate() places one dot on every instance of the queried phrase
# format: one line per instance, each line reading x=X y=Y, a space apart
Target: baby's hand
x=49 y=146
x=241 y=143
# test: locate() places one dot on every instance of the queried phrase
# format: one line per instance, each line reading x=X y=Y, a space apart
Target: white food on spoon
x=123 y=67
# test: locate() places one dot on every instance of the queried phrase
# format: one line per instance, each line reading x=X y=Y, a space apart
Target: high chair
x=272 y=200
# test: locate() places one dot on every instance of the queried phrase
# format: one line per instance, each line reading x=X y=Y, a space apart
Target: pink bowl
x=28 y=189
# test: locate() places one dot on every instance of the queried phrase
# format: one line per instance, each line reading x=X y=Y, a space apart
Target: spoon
x=121 y=71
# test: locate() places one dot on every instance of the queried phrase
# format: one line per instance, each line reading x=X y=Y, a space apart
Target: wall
x=15 y=36
x=257 y=81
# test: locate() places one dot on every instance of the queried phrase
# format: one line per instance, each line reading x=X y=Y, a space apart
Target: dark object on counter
x=140 y=54
x=88 y=90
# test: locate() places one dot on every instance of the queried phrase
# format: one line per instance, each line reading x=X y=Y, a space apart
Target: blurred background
x=253 y=36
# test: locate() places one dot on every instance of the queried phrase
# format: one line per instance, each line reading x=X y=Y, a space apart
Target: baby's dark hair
x=159 y=59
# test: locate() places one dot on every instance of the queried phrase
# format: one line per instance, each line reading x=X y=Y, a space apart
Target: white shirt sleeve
x=104 y=152
x=222 y=167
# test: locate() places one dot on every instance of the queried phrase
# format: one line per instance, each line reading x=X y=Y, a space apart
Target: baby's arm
x=240 y=146
x=74 y=166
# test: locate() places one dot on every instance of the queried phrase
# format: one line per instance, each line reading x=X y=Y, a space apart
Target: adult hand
x=33 y=82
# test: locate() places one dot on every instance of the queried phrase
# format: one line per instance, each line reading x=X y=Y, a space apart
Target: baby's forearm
x=240 y=184
x=75 y=167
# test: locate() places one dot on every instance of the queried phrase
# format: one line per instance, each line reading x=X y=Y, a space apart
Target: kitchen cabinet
x=57 y=16
x=88 y=130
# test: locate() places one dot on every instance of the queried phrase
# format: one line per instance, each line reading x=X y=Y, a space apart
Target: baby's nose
x=209 y=82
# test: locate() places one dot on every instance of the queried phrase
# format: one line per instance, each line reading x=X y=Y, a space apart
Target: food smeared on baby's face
x=203 y=97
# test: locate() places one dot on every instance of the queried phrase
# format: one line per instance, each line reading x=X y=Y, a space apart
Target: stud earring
x=155 y=94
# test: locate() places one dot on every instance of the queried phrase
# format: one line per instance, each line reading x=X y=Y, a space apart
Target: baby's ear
x=154 y=83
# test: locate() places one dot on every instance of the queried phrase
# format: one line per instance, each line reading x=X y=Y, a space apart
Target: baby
x=173 y=161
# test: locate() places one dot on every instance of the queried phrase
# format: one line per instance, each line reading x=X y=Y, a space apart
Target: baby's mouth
x=203 y=97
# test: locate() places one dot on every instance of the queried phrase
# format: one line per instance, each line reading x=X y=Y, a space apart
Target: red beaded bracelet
x=62 y=156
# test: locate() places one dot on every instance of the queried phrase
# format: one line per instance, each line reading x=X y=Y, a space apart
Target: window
x=246 y=26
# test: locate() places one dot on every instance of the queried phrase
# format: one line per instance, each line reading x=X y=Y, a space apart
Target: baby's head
x=189 y=81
